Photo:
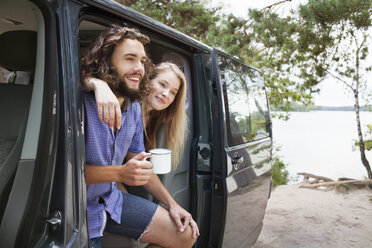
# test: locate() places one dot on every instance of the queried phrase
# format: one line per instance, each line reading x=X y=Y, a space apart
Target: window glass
x=245 y=102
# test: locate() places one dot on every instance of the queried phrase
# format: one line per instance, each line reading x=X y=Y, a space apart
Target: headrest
x=18 y=50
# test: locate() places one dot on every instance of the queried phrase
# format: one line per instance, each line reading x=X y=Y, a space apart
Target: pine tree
x=320 y=39
x=190 y=17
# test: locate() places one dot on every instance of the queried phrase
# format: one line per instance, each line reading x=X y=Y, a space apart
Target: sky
x=331 y=92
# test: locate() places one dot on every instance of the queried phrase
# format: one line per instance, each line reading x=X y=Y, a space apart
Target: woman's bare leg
x=163 y=232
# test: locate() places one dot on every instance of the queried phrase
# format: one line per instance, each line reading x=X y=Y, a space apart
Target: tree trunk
x=357 y=182
x=360 y=136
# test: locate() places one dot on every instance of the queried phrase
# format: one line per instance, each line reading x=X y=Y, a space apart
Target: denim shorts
x=95 y=242
x=136 y=215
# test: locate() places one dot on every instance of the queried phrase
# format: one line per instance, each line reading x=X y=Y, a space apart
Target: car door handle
x=237 y=159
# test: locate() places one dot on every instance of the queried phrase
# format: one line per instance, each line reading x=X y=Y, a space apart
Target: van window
x=245 y=102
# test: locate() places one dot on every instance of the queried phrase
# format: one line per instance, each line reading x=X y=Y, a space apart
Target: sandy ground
x=297 y=217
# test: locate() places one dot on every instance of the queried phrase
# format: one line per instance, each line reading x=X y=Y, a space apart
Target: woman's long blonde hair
x=173 y=117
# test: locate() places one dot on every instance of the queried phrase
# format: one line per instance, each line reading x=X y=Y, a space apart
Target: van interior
x=177 y=181
x=18 y=52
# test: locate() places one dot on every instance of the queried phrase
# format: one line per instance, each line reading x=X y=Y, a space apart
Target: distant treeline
x=306 y=108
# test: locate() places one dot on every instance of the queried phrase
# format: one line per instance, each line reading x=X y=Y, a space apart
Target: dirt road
x=313 y=218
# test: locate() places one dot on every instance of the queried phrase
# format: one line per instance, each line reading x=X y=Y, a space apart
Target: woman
x=163 y=108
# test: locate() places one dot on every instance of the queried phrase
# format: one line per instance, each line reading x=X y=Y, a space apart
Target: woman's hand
x=182 y=218
x=108 y=106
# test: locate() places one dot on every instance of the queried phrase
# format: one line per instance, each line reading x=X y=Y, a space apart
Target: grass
x=279 y=173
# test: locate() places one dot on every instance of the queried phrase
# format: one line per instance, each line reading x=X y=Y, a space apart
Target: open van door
x=241 y=155
x=42 y=196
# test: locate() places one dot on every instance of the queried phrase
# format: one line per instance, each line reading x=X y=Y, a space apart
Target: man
x=118 y=57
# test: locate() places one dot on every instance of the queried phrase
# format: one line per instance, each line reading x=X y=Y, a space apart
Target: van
x=223 y=179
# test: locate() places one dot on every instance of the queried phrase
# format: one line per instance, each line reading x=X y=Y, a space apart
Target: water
x=320 y=143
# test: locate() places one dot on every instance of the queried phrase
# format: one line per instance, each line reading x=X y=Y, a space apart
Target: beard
x=125 y=91
x=121 y=88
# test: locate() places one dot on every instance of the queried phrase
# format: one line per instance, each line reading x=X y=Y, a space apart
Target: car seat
x=17 y=55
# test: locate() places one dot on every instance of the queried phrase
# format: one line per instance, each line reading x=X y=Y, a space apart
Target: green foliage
x=250 y=39
x=250 y=125
x=279 y=172
x=279 y=60
x=319 y=39
x=343 y=188
x=231 y=35
x=299 y=107
x=190 y=17
x=332 y=26
x=325 y=13
x=295 y=52
x=324 y=38
x=368 y=144
x=367 y=139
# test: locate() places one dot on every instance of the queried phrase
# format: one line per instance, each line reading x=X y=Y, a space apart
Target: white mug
x=161 y=160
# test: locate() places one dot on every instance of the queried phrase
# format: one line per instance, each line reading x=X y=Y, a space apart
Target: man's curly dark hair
x=97 y=62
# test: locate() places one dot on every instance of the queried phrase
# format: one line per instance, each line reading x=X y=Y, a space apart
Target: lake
x=320 y=143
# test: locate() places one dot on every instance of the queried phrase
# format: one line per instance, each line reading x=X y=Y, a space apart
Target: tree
x=229 y=33
x=190 y=17
x=326 y=38
x=320 y=39
x=251 y=39
x=344 y=27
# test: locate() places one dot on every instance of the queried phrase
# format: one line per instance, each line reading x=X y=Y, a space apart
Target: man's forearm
x=134 y=172
x=95 y=174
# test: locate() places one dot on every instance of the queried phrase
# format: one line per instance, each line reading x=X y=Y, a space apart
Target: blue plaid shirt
x=103 y=147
